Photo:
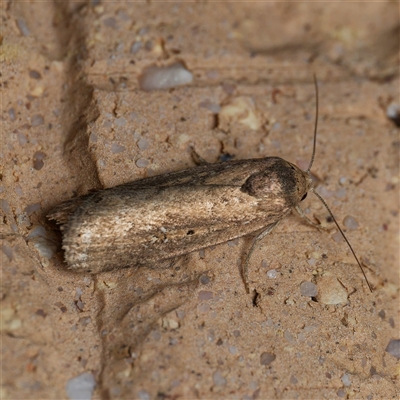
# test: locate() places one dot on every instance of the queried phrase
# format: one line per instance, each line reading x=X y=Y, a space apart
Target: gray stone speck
x=341 y=393
x=121 y=121
x=205 y=295
x=308 y=289
x=204 y=279
x=267 y=358
x=350 y=223
x=37 y=120
x=81 y=387
x=23 y=27
x=289 y=337
x=393 y=348
x=143 y=144
x=218 y=379
x=143 y=395
x=142 y=163
x=11 y=113
x=346 y=380
x=34 y=74
x=7 y=250
x=22 y=139
x=116 y=148
x=136 y=47
x=110 y=22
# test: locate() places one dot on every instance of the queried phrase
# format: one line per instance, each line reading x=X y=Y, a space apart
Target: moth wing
x=228 y=173
x=231 y=173
x=133 y=225
x=61 y=213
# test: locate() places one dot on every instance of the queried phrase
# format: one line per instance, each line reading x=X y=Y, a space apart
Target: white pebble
x=156 y=78
x=37 y=231
x=346 y=380
x=272 y=273
x=44 y=246
x=393 y=111
x=330 y=291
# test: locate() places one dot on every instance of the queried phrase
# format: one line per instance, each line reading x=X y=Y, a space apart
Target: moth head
x=303 y=183
x=280 y=181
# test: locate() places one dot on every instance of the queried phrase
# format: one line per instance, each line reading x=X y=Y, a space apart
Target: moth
x=154 y=219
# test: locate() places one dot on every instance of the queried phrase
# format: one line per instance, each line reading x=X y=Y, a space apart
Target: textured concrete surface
x=75 y=117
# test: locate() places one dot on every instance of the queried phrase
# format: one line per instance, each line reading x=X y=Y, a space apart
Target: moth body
x=153 y=219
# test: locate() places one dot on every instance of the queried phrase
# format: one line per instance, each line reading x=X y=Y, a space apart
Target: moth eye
x=304 y=197
x=191 y=232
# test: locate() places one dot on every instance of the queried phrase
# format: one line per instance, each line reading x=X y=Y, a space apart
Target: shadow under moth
x=158 y=218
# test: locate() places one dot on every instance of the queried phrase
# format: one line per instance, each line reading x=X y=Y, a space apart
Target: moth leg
x=197 y=158
x=312 y=223
x=245 y=266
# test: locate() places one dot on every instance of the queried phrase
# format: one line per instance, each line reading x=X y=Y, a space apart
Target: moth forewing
x=157 y=218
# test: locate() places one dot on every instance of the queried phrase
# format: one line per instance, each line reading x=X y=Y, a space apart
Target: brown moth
x=155 y=219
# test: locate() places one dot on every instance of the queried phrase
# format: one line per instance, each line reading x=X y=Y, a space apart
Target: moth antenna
x=312 y=189
x=344 y=236
x=316 y=123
